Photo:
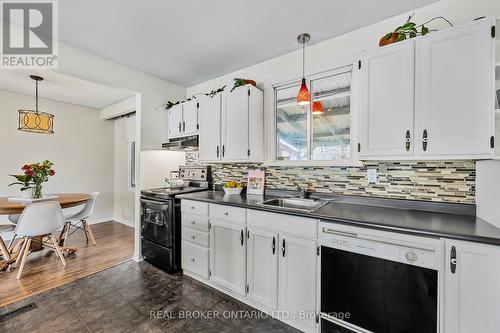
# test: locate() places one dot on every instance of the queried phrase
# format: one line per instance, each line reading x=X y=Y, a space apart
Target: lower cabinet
x=472 y=287
x=297 y=279
x=195 y=258
x=266 y=258
x=262 y=267
x=228 y=255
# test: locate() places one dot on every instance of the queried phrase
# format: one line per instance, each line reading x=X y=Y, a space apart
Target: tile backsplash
x=445 y=181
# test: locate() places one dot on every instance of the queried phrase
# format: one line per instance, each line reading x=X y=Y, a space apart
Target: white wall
x=124 y=208
x=156 y=166
x=81 y=149
x=322 y=55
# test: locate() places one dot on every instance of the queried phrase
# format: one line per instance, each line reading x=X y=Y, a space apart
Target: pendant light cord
x=36 y=97
x=303 y=59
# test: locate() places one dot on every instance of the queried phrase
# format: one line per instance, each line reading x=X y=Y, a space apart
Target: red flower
x=25 y=167
x=29 y=172
x=52 y=172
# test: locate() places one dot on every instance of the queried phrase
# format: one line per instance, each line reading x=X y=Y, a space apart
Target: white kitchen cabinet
x=235 y=124
x=241 y=127
x=454 y=79
x=210 y=129
x=387 y=101
x=190 y=117
x=430 y=97
x=262 y=267
x=175 y=121
x=472 y=290
x=228 y=255
x=183 y=119
x=297 y=273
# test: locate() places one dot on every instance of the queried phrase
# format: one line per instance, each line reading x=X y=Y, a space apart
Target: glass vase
x=37 y=191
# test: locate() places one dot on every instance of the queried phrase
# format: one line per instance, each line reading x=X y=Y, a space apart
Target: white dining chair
x=41 y=218
x=14 y=218
x=4 y=249
x=79 y=221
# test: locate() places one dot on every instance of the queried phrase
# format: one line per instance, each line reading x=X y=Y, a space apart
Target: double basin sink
x=294 y=204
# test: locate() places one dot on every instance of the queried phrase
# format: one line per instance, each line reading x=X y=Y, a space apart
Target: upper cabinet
x=387 y=101
x=454 y=86
x=183 y=119
x=210 y=129
x=430 y=97
x=231 y=126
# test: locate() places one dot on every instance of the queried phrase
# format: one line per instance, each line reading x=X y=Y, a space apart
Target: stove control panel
x=194 y=172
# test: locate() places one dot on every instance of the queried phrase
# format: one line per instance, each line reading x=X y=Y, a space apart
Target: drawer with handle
x=195 y=236
x=228 y=213
x=195 y=259
x=195 y=222
x=194 y=207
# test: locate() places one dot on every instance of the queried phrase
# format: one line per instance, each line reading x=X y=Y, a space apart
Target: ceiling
x=62 y=88
x=188 y=42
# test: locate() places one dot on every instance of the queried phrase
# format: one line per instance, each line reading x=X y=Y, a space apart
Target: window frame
x=272 y=134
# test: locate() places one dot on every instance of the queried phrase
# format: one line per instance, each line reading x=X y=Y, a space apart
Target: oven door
x=157 y=221
x=361 y=293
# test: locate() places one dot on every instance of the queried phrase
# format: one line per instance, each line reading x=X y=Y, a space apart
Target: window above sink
x=318 y=133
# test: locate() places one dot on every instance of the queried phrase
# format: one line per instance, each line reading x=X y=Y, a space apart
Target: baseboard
x=107 y=219
x=123 y=221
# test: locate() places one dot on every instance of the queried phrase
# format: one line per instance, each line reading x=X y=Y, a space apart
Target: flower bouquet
x=34 y=175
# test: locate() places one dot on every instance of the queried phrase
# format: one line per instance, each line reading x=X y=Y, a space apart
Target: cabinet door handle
x=283 y=248
x=223 y=150
x=453 y=259
x=183 y=126
x=217 y=151
x=273 y=245
x=424 y=140
x=179 y=126
x=241 y=237
x=407 y=141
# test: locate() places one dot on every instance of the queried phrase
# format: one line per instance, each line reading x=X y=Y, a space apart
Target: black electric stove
x=161 y=218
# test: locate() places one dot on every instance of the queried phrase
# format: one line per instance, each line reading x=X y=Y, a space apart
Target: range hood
x=182 y=144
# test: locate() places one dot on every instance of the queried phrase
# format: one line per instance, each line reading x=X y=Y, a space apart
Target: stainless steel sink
x=297 y=204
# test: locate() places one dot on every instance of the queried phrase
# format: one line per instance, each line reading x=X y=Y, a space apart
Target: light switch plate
x=371 y=175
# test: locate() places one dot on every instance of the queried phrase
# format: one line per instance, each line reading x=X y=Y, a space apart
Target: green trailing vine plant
x=211 y=94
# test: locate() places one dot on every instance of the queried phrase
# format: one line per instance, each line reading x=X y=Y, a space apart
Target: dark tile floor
x=136 y=297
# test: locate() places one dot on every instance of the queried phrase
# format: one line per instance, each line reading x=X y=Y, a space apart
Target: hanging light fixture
x=317 y=107
x=303 y=97
x=36 y=121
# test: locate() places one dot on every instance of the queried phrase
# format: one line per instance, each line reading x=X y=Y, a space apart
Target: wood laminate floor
x=44 y=271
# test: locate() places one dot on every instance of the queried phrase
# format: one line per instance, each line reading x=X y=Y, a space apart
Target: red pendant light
x=317 y=107
x=303 y=97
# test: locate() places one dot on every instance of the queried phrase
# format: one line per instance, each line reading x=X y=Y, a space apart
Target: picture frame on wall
x=256 y=181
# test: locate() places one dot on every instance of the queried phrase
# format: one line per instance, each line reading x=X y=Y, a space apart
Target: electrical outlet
x=371 y=175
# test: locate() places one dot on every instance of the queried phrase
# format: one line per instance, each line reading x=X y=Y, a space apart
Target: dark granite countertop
x=419 y=222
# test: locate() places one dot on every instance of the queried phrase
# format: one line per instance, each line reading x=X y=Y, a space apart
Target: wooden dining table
x=66 y=200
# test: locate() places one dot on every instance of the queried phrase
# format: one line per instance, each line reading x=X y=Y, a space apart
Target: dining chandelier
x=36 y=121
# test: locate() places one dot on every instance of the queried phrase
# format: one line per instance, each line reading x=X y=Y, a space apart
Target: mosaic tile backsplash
x=441 y=181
